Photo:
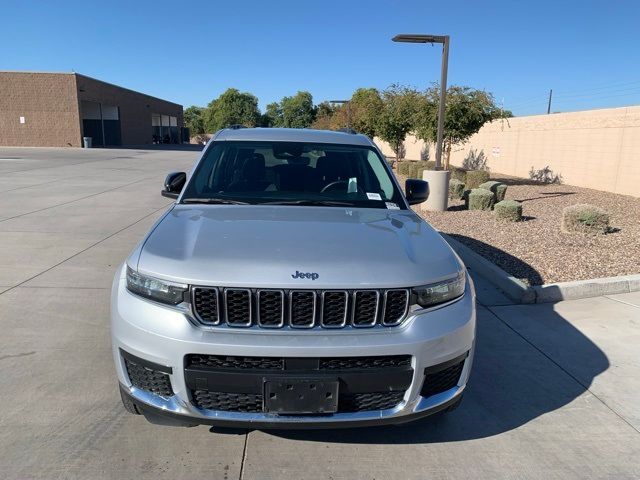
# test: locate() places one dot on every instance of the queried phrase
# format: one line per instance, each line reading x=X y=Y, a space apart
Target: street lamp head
x=418 y=38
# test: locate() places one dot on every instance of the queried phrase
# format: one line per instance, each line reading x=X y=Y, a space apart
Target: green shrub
x=499 y=189
x=456 y=189
x=403 y=168
x=508 y=210
x=416 y=169
x=475 y=178
x=430 y=165
x=584 y=218
x=479 y=199
x=458 y=173
x=413 y=170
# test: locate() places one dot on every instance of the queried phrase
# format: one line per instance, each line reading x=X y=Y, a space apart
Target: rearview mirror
x=417 y=191
x=173 y=184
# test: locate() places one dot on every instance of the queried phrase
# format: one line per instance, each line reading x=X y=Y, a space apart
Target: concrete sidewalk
x=554 y=390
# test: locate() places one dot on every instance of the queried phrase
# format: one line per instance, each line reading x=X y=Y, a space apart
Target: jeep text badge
x=311 y=275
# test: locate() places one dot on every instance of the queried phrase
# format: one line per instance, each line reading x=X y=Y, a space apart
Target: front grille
x=395 y=306
x=440 y=380
x=238 y=305
x=334 y=309
x=237 y=383
x=205 y=302
x=238 y=363
x=365 y=311
x=363 y=363
x=302 y=311
x=146 y=378
x=362 y=402
x=228 y=402
x=243 y=307
x=271 y=308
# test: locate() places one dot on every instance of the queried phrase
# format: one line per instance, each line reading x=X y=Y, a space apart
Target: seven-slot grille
x=242 y=307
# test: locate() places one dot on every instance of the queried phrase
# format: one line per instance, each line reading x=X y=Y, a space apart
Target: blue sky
x=190 y=52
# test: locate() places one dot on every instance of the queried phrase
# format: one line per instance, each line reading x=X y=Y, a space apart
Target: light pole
x=438 y=181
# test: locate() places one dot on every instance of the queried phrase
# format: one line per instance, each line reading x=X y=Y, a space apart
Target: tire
x=129 y=405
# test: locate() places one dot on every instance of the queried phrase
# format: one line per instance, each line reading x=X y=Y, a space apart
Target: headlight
x=154 y=289
x=441 y=292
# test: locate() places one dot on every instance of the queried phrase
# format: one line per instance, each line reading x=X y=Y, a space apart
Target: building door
x=101 y=123
x=111 y=125
x=92 y=123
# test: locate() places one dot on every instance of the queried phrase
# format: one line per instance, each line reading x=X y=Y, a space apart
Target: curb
x=547 y=293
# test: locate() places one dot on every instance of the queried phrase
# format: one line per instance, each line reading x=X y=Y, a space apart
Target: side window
x=383 y=178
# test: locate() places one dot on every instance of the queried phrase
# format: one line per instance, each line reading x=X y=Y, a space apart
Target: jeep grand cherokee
x=291 y=285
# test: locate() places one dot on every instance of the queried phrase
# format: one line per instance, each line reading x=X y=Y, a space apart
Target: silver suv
x=291 y=285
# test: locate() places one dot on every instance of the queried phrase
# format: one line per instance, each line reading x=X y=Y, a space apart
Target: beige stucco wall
x=597 y=149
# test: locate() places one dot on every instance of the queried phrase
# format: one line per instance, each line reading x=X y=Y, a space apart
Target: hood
x=265 y=246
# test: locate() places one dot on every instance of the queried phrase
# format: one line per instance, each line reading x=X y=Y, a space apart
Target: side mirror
x=173 y=184
x=417 y=191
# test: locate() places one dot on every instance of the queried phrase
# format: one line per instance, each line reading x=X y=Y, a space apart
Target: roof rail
x=347 y=130
x=236 y=126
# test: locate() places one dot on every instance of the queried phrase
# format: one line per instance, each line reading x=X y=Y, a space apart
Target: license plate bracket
x=291 y=395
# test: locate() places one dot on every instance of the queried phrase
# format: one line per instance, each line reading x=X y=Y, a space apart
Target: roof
x=292 y=135
x=76 y=74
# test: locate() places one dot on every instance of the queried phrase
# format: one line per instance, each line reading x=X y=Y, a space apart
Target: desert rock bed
x=535 y=250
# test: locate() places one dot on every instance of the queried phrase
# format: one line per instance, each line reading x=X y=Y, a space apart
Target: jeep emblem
x=311 y=275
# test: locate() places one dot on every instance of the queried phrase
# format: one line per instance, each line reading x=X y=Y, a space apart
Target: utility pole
x=549 y=106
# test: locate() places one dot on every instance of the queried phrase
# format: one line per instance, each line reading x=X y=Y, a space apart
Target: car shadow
x=514 y=381
x=512 y=265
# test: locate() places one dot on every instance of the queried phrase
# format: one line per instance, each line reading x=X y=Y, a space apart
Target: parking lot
x=555 y=390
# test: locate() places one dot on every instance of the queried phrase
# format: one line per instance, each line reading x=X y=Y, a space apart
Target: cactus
x=479 y=199
x=456 y=189
x=508 y=210
x=584 y=218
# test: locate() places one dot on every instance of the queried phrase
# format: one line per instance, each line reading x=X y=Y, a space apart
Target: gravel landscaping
x=535 y=250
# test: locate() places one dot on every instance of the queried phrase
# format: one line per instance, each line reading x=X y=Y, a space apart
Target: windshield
x=294 y=174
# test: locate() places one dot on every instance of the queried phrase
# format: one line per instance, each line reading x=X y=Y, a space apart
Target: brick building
x=58 y=109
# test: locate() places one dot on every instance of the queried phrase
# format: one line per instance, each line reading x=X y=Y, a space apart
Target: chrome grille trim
x=354 y=309
x=311 y=308
x=282 y=308
x=406 y=307
x=193 y=302
x=226 y=306
x=346 y=308
x=313 y=316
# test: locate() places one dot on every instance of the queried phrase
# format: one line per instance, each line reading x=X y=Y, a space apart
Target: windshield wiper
x=225 y=201
x=330 y=203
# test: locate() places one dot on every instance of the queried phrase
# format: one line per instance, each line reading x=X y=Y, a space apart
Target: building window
x=164 y=128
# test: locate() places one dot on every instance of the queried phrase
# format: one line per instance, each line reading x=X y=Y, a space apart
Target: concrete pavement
x=554 y=391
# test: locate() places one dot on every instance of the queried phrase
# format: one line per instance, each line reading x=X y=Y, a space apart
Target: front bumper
x=165 y=336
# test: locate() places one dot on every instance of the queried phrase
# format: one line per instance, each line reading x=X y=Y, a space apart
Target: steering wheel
x=332 y=185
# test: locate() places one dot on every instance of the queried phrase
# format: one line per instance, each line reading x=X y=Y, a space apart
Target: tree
x=466 y=111
x=231 y=108
x=193 y=120
x=325 y=116
x=298 y=111
x=364 y=108
x=273 y=116
x=397 y=115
